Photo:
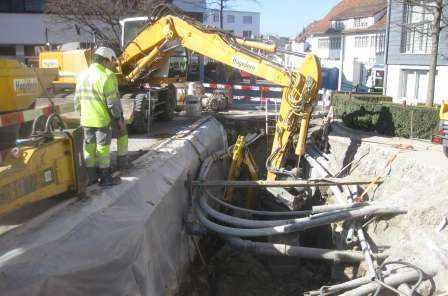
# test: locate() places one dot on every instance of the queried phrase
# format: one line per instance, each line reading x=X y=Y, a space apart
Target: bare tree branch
x=100 y=18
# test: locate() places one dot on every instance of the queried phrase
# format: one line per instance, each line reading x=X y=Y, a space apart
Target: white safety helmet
x=106 y=53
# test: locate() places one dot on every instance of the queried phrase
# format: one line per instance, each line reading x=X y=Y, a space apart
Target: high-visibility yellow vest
x=94 y=88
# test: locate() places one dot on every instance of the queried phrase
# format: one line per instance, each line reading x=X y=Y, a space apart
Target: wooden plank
x=285 y=184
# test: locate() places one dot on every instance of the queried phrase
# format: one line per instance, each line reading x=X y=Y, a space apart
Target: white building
x=24 y=27
x=409 y=55
x=240 y=23
x=292 y=61
x=351 y=38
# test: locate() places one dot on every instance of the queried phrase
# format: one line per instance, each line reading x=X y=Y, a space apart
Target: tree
x=431 y=27
x=99 y=17
x=221 y=5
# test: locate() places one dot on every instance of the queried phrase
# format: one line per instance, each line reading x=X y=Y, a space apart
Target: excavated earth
x=416 y=181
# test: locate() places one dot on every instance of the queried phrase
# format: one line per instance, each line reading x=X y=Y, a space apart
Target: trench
x=220 y=269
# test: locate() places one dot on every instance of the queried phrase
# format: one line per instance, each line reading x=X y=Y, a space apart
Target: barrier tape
x=243 y=87
x=20 y=117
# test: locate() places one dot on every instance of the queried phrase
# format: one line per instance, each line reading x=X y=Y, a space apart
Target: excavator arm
x=300 y=87
x=150 y=43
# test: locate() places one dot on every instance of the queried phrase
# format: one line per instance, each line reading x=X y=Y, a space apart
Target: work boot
x=93 y=176
x=123 y=163
x=106 y=178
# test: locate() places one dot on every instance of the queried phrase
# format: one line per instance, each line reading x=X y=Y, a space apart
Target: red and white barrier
x=19 y=117
x=258 y=99
x=243 y=87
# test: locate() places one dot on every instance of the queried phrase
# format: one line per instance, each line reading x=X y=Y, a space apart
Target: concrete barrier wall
x=124 y=240
x=417 y=181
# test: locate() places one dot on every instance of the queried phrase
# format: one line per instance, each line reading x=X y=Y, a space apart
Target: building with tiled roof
x=350 y=38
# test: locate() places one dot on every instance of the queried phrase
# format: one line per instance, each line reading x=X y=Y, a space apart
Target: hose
x=54 y=117
x=295 y=251
x=259 y=223
x=255 y=212
x=380 y=280
x=239 y=221
x=300 y=225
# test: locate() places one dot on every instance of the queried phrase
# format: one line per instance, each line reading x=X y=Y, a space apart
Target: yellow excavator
x=154 y=42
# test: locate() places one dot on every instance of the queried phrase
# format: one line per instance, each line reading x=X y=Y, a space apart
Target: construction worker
x=97 y=99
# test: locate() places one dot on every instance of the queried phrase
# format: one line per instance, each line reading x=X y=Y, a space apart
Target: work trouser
x=122 y=140
x=97 y=146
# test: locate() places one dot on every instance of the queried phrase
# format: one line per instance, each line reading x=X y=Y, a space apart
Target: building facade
x=408 y=55
x=243 y=24
x=351 y=39
x=25 y=27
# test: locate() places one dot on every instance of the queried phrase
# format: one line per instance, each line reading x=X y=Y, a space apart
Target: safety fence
x=19 y=117
x=249 y=93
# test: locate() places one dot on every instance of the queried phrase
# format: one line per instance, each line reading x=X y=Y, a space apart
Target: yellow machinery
x=442 y=136
x=44 y=165
x=20 y=85
x=68 y=63
x=152 y=92
x=19 y=88
x=240 y=155
x=300 y=87
x=49 y=161
x=47 y=164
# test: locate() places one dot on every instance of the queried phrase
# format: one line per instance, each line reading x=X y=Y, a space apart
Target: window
x=337 y=25
x=247 y=34
x=361 y=41
x=21 y=5
x=413 y=85
x=247 y=20
x=7 y=50
x=34 y=5
x=360 y=23
x=377 y=41
x=230 y=19
x=216 y=18
x=335 y=43
x=416 y=32
x=323 y=42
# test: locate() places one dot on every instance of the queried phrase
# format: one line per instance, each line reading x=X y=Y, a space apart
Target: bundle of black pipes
x=276 y=223
x=236 y=230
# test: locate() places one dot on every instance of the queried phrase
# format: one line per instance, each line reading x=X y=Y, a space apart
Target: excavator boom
x=300 y=87
x=210 y=43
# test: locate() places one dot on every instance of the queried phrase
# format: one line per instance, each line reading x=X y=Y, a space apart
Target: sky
x=285 y=17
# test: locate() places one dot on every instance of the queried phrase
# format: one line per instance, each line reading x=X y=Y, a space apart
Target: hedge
x=376 y=113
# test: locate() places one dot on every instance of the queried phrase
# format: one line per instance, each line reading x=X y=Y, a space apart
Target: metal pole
x=283 y=184
x=367 y=252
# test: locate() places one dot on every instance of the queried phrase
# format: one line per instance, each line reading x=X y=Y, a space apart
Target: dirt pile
x=416 y=181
